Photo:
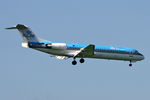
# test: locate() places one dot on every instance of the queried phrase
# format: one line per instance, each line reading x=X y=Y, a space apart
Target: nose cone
x=141 y=57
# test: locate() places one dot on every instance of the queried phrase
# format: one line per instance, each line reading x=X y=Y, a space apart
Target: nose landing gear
x=130 y=63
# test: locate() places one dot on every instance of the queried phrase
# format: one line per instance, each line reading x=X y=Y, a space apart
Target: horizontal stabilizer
x=11 y=27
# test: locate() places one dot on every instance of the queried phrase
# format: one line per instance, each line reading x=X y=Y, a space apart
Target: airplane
x=72 y=50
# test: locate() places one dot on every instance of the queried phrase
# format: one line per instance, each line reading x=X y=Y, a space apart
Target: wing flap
x=61 y=57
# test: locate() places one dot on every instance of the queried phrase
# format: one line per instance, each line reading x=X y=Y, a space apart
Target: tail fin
x=26 y=33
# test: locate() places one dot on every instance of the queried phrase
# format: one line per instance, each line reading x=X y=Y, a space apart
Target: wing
x=86 y=52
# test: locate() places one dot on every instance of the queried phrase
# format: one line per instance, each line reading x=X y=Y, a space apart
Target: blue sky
x=26 y=74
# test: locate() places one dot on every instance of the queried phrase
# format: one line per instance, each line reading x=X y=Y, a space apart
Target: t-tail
x=26 y=33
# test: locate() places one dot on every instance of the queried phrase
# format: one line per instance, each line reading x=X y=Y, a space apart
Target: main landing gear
x=74 y=62
x=130 y=63
x=81 y=60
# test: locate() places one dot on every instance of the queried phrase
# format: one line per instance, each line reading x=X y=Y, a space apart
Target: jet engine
x=56 y=45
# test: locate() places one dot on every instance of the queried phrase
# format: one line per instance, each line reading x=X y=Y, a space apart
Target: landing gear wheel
x=81 y=60
x=130 y=65
x=74 y=62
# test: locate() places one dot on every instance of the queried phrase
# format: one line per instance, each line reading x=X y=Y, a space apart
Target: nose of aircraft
x=141 y=57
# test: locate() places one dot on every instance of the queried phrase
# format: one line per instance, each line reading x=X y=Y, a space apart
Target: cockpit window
x=136 y=52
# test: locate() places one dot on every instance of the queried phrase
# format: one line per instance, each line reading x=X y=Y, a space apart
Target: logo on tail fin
x=28 y=34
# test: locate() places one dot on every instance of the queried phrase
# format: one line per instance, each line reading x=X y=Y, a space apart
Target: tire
x=74 y=62
x=81 y=60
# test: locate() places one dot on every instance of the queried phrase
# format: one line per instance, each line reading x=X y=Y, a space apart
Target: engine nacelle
x=56 y=45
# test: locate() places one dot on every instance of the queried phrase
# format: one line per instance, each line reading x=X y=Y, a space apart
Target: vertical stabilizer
x=26 y=33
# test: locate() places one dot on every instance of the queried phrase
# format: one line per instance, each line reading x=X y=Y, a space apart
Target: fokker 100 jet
x=71 y=50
